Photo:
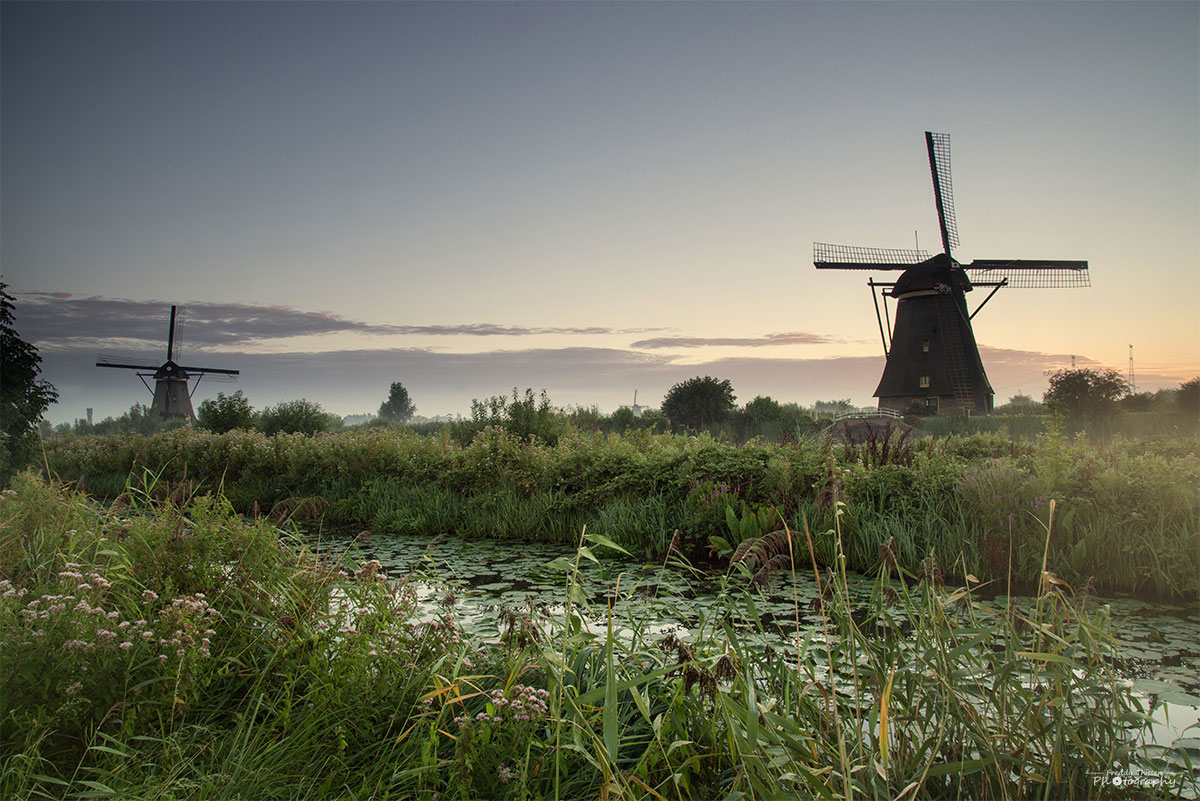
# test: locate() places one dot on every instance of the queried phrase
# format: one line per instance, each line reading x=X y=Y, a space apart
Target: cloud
x=57 y=320
x=792 y=338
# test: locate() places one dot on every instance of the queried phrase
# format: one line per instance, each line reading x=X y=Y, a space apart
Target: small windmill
x=933 y=361
x=171 y=395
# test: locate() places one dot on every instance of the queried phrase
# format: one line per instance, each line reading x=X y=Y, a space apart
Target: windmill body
x=933 y=362
x=172 y=397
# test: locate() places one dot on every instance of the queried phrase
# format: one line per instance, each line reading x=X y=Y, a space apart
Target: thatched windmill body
x=172 y=397
x=933 y=362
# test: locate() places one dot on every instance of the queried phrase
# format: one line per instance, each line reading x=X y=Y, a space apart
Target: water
x=1160 y=643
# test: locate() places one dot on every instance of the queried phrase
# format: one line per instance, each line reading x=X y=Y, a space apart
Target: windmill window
x=924 y=381
x=925 y=346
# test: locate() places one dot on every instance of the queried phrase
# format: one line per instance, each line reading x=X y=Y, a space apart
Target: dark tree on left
x=23 y=396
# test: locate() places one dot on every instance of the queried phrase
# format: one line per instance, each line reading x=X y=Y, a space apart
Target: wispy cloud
x=790 y=338
x=54 y=320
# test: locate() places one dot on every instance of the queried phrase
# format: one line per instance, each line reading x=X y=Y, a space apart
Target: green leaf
x=751 y=710
x=108 y=750
x=641 y=702
x=592 y=696
x=1047 y=657
x=719 y=544
x=958 y=651
x=98 y=787
x=612 y=737
x=965 y=766
x=600 y=539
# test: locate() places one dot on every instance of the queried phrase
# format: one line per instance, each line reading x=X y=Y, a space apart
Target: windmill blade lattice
x=1030 y=273
x=852 y=257
x=938 y=145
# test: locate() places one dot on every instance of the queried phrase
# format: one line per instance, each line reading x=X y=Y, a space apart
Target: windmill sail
x=943 y=188
x=850 y=257
x=1030 y=274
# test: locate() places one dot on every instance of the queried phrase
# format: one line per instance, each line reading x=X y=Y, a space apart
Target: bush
x=226 y=413
x=524 y=418
x=295 y=417
x=699 y=402
x=1086 y=397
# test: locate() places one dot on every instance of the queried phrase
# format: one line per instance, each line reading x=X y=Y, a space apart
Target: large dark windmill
x=171 y=395
x=933 y=362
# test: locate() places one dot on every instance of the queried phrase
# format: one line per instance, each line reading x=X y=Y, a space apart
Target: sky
x=591 y=198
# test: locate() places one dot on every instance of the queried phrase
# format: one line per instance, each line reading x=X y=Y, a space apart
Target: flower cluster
x=182 y=620
x=371 y=570
x=520 y=703
x=82 y=618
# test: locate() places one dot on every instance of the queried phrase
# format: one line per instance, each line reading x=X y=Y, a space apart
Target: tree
x=1138 y=402
x=763 y=409
x=1188 y=396
x=140 y=419
x=699 y=402
x=1020 y=404
x=294 y=417
x=398 y=407
x=1086 y=395
x=24 y=397
x=226 y=413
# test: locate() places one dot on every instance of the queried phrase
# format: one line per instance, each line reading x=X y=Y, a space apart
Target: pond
x=1160 y=642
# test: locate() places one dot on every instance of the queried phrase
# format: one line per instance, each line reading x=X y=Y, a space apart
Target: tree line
x=1082 y=398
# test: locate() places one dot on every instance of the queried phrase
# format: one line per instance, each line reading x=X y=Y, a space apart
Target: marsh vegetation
x=168 y=633
x=172 y=649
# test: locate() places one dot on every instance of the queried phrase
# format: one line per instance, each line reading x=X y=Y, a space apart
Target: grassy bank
x=157 y=650
x=1128 y=511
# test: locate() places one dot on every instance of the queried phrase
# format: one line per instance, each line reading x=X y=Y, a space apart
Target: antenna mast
x=1132 y=380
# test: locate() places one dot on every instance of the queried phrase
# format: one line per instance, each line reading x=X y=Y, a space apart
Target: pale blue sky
x=587 y=176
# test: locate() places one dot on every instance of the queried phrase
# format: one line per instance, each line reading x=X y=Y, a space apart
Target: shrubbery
x=295 y=417
x=969 y=497
x=225 y=413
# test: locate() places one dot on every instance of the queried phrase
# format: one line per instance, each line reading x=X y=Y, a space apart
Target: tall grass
x=1129 y=510
x=168 y=649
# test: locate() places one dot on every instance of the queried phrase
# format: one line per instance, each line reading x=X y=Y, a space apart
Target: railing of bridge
x=867 y=415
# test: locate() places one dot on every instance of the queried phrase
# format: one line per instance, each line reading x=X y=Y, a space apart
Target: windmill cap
x=929 y=274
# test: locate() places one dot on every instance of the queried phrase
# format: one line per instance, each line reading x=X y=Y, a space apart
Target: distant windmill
x=932 y=358
x=637 y=410
x=171 y=395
